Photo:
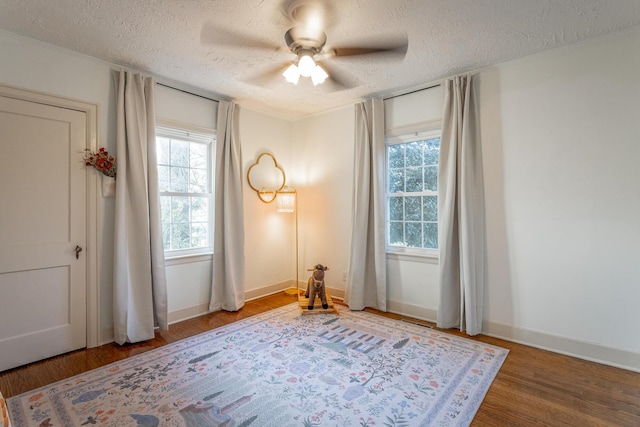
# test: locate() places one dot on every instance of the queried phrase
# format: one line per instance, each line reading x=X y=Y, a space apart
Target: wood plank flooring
x=533 y=388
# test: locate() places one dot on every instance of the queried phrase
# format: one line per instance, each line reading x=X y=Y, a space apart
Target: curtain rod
x=187 y=92
x=413 y=91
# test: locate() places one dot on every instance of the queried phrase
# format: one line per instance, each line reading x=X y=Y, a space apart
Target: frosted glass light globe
x=306 y=65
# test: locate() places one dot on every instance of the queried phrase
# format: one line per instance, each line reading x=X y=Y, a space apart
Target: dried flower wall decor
x=102 y=161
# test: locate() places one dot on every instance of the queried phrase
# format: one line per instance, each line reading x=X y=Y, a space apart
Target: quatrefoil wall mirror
x=266 y=177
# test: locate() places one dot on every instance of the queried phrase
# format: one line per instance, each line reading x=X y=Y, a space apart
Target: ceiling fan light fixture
x=292 y=74
x=306 y=64
x=319 y=75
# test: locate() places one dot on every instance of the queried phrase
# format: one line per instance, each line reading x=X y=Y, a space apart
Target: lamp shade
x=286 y=199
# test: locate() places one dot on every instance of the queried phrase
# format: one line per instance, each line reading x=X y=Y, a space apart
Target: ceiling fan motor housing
x=305 y=38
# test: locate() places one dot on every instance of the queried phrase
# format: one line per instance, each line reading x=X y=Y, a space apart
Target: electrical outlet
x=344 y=276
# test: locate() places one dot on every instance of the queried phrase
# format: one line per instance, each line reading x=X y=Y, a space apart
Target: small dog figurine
x=315 y=286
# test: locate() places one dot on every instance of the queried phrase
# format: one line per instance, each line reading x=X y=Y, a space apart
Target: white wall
x=185 y=108
x=323 y=175
x=561 y=144
x=44 y=68
x=561 y=149
x=269 y=235
x=416 y=110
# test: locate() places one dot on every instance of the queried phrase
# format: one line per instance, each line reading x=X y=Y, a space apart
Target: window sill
x=187 y=259
x=413 y=257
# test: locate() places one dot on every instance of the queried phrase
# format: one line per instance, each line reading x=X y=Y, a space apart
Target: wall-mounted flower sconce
x=266 y=177
x=103 y=162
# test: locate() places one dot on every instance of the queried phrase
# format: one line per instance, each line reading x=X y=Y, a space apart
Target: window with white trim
x=412 y=193
x=185 y=174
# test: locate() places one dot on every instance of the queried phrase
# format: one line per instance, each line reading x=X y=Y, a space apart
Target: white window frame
x=406 y=137
x=185 y=132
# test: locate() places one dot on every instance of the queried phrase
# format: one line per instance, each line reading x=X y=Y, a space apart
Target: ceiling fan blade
x=267 y=76
x=213 y=34
x=338 y=80
x=395 y=46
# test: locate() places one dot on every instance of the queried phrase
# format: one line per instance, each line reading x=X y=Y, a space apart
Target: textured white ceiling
x=185 y=40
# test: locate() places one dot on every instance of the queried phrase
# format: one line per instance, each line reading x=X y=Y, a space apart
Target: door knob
x=78 y=250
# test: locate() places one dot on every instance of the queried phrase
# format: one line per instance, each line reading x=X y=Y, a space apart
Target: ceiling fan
x=308 y=41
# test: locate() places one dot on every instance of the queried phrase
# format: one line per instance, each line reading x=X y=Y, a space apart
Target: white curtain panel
x=139 y=288
x=227 y=288
x=461 y=211
x=367 y=272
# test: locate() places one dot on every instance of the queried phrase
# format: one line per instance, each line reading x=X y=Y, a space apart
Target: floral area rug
x=281 y=369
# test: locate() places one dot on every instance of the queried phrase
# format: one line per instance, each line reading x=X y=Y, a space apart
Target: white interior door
x=42 y=220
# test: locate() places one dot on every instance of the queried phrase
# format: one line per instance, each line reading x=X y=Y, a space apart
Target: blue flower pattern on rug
x=281 y=369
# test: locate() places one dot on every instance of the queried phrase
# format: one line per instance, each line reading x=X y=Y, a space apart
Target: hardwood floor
x=533 y=387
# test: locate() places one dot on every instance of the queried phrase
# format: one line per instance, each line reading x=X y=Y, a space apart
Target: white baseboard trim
x=411 y=310
x=336 y=293
x=280 y=287
x=558 y=344
x=176 y=316
x=187 y=313
x=570 y=347
x=201 y=309
x=107 y=335
x=268 y=290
